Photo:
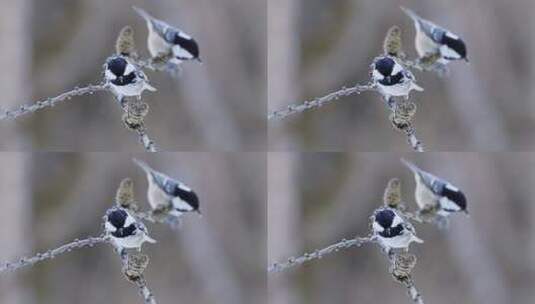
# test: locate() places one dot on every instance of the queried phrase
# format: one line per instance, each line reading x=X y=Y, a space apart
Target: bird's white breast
x=157 y=45
x=424 y=196
x=425 y=45
x=157 y=197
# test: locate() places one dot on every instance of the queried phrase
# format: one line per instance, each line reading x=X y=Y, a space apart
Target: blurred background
x=317 y=199
x=52 y=198
x=317 y=47
x=51 y=46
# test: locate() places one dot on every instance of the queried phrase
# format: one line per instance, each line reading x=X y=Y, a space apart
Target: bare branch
x=50 y=254
x=318 y=254
x=320 y=101
x=50 y=102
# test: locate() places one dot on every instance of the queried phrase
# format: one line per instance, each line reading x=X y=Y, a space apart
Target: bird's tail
x=410 y=165
x=149 y=239
x=410 y=13
x=142 y=13
x=143 y=165
x=149 y=87
x=417 y=239
x=417 y=87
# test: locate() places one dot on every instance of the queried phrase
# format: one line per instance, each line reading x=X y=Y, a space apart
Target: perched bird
x=166 y=192
x=164 y=40
x=432 y=39
x=433 y=192
x=125 y=78
x=392 y=78
x=392 y=231
x=124 y=230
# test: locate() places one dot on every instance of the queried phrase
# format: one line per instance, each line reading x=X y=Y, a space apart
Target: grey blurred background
x=317 y=199
x=52 y=198
x=51 y=46
x=316 y=47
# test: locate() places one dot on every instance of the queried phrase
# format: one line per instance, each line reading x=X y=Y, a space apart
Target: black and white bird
x=164 y=40
x=124 y=78
x=392 y=231
x=433 y=192
x=432 y=39
x=392 y=78
x=124 y=230
x=165 y=191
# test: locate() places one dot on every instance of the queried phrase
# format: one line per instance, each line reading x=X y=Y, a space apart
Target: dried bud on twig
x=125 y=44
x=402 y=265
x=125 y=195
x=392 y=195
x=135 y=266
x=392 y=44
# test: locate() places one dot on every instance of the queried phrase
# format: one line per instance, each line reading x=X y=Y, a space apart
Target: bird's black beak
x=199 y=60
x=466 y=60
x=199 y=212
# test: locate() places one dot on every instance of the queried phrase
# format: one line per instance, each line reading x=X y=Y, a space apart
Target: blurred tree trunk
x=16 y=219
x=283 y=206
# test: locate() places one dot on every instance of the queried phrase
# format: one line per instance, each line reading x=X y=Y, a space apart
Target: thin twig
x=320 y=101
x=50 y=102
x=144 y=290
x=50 y=254
x=318 y=254
x=413 y=141
x=144 y=139
x=412 y=291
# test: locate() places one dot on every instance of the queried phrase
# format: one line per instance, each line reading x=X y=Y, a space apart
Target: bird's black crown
x=189 y=197
x=117 y=65
x=457 y=197
x=455 y=44
x=385 y=65
x=385 y=217
x=117 y=217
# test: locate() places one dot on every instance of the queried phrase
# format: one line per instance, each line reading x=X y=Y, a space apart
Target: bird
x=433 y=192
x=164 y=40
x=432 y=39
x=125 y=78
x=124 y=230
x=165 y=192
x=392 y=231
x=391 y=78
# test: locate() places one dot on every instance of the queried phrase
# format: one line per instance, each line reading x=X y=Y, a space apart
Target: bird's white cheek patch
x=397 y=220
x=181 y=52
x=109 y=75
x=109 y=227
x=377 y=227
x=445 y=203
x=397 y=68
x=129 y=69
x=376 y=75
x=447 y=52
x=181 y=205
x=129 y=221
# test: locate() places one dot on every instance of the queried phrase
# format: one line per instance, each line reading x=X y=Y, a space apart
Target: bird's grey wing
x=171 y=34
x=167 y=184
